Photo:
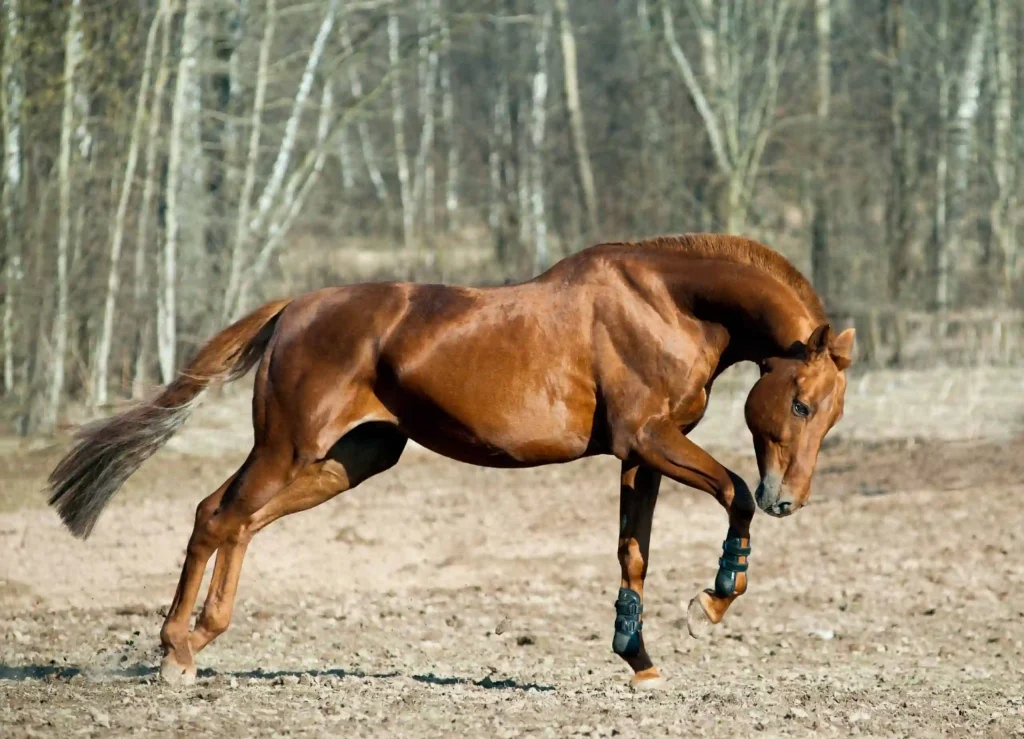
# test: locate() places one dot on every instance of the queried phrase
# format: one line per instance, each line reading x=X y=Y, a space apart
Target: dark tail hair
x=109 y=451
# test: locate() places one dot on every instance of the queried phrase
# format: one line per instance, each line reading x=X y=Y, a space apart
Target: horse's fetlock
x=732 y=567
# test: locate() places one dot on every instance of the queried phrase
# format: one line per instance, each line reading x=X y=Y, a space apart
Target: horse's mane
x=740 y=250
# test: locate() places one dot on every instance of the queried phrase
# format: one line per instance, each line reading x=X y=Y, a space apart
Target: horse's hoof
x=648 y=680
x=175 y=674
x=697 y=620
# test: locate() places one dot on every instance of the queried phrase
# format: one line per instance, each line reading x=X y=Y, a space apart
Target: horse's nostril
x=784 y=506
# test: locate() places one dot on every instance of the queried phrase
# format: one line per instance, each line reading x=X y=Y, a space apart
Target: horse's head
x=790 y=409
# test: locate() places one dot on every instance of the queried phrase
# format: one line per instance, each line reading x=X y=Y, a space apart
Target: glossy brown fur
x=614 y=350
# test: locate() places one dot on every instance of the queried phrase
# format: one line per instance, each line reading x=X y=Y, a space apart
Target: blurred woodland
x=169 y=164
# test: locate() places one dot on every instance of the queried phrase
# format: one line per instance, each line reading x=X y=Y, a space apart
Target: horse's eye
x=801 y=409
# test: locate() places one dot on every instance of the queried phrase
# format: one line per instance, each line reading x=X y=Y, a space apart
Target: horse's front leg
x=638 y=493
x=667 y=450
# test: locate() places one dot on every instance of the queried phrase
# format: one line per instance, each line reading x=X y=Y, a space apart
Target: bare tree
x=12 y=97
x=268 y=197
x=72 y=58
x=103 y=348
x=820 y=263
x=380 y=187
x=572 y=97
x=251 y=161
x=963 y=128
x=737 y=106
x=938 y=261
x=540 y=98
x=398 y=120
x=141 y=276
x=184 y=93
x=898 y=205
x=451 y=197
x=422 y=190
x=1004 y=207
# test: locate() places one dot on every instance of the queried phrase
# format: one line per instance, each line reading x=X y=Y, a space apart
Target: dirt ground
x=441 y=599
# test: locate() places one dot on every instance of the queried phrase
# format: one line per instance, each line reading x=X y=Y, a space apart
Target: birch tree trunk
x=167 y=305
x=820 y=258
x=348 y=180
x=295 y=193
x=251 y=161
x=422 y=190
x=451 y=196
x=541 y=260
x=380 y=187
x=72 y=58
x=572 y=96
x=12 y=199
x=398 y=120
x=963 y=128
x=736 y=100
x=938 y=257
x=103 y=347
x=654 y=136
x=285 y=151
x=1004 y=157
x=225 y=165
x=143 y=313
x=898 y=205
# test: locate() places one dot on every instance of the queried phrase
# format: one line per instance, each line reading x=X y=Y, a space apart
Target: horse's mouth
x=773 y=498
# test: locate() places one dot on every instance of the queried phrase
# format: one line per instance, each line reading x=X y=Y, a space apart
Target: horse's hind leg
x=261 y=476
x=365 y=451
x=174 y=633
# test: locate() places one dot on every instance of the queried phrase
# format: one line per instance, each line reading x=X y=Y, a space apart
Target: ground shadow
x=18 y=673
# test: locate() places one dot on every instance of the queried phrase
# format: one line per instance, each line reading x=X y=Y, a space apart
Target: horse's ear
x=819 y=340
x=841 y=349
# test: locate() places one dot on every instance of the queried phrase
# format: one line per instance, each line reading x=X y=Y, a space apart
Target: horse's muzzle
x=773 y=498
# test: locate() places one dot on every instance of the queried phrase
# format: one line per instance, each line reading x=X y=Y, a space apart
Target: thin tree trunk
x=103 y=348
x=294 y=196
x=579 y=136
x=423 y=185
x=1003 y=154
x=380 y=187
x=284 y=153
x=398 y=120
x=251 y=161
x=72 y=58
x=348 y=180
x=963 y=128
x=541 y=260
x=820 y=257
x=12 y=199
x=428 y=77
x=494 y=162
x=898 y=215
x=226 y=167
x=167 y=305
x=654 y=137
x=143 y=315
x=451 y=196
x=938 y=254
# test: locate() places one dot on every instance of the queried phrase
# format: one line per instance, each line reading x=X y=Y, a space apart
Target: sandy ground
x=892 y=606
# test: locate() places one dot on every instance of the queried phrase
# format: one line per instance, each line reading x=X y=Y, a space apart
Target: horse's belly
x=511 y=432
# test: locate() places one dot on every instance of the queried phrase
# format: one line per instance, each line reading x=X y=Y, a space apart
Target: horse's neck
x=761 y=317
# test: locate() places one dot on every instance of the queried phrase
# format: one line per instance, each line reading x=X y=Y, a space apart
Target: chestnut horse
x=612 y=351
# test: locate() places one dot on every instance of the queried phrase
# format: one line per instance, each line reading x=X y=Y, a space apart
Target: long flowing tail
x=109 y=451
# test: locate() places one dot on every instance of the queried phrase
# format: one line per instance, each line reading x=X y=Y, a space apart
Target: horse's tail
x=109 y=451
